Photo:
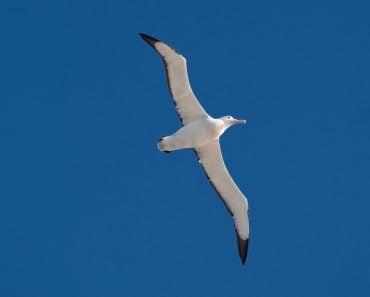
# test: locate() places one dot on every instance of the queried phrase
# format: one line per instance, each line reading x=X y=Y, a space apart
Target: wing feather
x=187 y=105
x=214 y=167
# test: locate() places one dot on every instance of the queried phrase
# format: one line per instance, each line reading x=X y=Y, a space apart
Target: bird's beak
x=239 y=122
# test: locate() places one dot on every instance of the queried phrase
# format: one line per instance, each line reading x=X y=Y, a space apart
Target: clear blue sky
x=90 y=207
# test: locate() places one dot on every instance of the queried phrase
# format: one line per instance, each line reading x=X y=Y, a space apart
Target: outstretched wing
x=187 y=105
x=211 y=159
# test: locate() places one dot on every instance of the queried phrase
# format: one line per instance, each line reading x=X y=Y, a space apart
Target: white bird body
x=194 y=135
x=202 y=132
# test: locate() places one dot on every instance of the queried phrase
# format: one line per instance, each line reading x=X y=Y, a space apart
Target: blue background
x=90 y=207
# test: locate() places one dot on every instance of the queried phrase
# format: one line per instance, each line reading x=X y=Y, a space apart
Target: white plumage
x=201 y=132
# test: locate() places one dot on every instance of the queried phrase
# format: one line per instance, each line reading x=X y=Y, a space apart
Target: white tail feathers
x=164 y=144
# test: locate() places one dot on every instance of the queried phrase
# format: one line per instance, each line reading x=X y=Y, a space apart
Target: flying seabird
x=201 y=132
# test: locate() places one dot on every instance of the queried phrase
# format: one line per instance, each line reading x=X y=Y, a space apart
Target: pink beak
x=239 y=122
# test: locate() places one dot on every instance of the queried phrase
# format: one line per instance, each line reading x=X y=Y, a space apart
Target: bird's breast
x=199 y=133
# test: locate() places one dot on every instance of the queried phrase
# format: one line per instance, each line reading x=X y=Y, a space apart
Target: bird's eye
x=229 y=117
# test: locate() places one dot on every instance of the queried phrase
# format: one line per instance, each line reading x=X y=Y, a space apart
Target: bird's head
x=230 y=121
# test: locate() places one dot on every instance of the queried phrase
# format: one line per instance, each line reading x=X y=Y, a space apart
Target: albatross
x=201 y=132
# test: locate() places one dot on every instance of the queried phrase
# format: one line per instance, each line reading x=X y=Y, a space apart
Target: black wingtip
x=149 y=39
x=242 y=248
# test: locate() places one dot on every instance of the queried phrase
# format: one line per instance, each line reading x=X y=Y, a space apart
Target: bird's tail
x=164 y=144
